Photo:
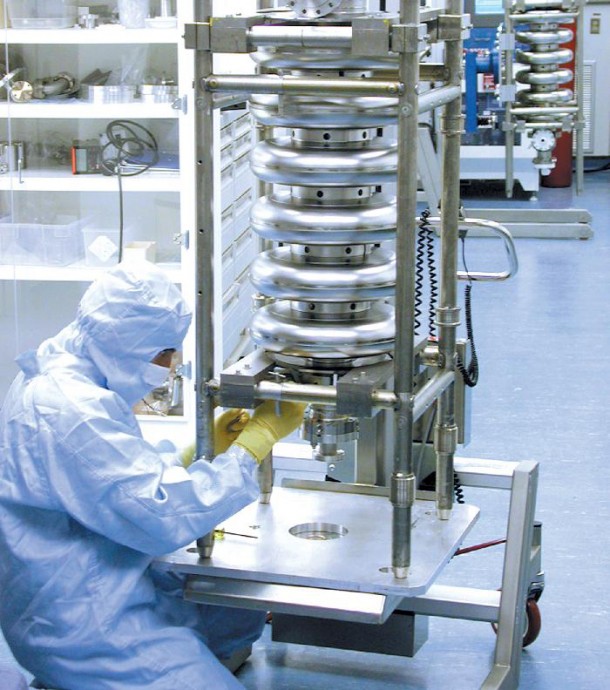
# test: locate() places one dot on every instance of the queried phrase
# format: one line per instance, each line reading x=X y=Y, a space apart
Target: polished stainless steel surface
x=357 y=561
x=276 y=273
x=280 y=329
x=360 y=607
x=323 y=160
x=283 y=218
x=281 y=162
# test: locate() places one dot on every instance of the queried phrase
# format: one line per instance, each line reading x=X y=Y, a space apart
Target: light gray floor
x=544 y=345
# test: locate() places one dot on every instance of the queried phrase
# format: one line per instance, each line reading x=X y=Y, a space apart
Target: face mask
x=131 y=378
x=154 y=375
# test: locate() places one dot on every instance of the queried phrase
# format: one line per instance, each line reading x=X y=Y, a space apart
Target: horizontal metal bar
x=430 y=71
x=555 y=216
x=226 y=100
x=437 y=97
x=359 y=607
x=544 y=110
x=455 y=602
x=301 y=36
x=346 y=488
x=489 y=474
x=312 y=393
x=431 y=391
x=272 y=83
x=496 y=229
x=537 y=16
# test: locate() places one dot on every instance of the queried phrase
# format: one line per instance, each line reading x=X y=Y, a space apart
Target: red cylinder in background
x=561 y=174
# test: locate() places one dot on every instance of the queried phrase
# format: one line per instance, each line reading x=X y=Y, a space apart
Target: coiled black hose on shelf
x=131 y=150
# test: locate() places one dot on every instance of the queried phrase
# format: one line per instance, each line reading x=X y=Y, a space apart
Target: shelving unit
x=36 y=301
x=158 y=205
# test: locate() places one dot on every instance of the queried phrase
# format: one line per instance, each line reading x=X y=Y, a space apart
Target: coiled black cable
x=432 y=277
x=470 y=374
x=458 y=490
x=419 y=279
x=425 y=258
x=131 y=150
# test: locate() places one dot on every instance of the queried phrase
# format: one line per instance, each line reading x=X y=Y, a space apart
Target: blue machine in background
x=484 y=111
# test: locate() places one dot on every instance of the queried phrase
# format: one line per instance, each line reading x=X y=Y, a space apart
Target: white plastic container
x=133 y=13
x=41 y=14
x=56 y=243
x=101 y=246
x=136 y=252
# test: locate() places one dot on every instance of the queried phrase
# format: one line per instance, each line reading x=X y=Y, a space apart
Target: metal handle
x=509 y=246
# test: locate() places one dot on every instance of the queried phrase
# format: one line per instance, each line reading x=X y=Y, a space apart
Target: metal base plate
x=358 y=561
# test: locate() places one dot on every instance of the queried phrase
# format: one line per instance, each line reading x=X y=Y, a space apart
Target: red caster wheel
x=533 y=623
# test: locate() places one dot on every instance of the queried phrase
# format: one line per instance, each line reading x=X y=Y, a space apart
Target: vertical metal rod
x=445 y=440
x=509 y=132
x=580 y=120
x=262 y=132
x=265 y=479
x=402 y=485
x=204 y=241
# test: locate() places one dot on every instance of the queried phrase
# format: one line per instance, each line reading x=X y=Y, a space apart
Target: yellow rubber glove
x=266 y=427
x=227 y=427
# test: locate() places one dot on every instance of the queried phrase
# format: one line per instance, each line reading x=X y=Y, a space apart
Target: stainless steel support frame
x=204 y=286
x=419 y=543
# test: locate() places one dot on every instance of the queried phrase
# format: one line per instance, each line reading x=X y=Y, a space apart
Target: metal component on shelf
x=12 y=156
x=61 y=85
x=21 y=91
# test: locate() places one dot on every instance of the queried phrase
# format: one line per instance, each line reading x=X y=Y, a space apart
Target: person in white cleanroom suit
x=86 y=503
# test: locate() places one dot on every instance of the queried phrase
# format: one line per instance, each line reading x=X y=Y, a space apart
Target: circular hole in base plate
x=318 y=531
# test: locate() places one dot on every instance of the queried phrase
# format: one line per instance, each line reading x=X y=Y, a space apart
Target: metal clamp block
x=197 y=36
x=408 y=38
x=230 y=34
x=237 y=382
x=370 y=36
x=507 y=93
x=506 y=41
x=449 y=27
x=355 y=389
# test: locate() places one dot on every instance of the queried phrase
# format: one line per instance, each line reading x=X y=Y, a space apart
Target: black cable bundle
x=433 y=282
x=419 y=278
x=458 y=490
x=470 y=374
x=425 y=256
x=131 y=150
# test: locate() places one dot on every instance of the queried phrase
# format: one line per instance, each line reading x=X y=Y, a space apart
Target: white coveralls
x=86 y=503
